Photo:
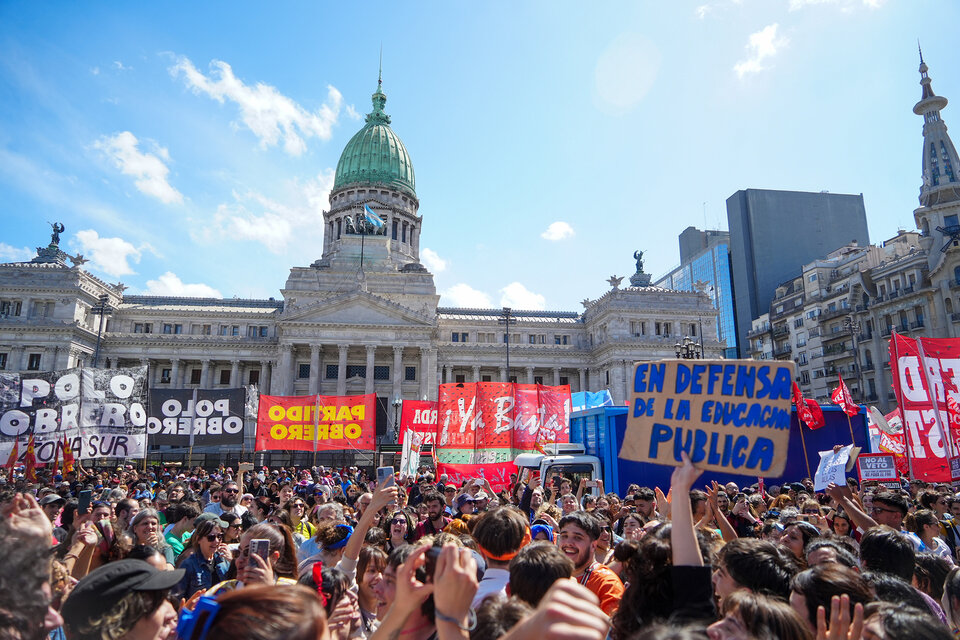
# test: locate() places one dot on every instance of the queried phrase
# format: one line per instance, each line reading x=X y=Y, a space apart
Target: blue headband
x=542 y=528
x=341 y=543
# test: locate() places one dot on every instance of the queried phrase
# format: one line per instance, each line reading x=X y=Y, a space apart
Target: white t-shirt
x=494 y=582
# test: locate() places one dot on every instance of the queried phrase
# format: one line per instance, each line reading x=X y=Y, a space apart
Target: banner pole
x=894 y=371
x=803 y=442
x=853 y=440
x=316 y=429
x=843 y=386
x=193 y=415
x=945 y=437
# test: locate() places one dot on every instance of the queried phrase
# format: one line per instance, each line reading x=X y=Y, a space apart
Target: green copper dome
x=376 y=155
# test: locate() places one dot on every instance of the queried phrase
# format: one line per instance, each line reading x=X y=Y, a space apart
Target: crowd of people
x=319 y=553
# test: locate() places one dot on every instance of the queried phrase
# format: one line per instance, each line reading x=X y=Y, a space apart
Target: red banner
x=420 y=416
x=498 y=474
x=316 y=423
x=918 y=367
x=488 y=422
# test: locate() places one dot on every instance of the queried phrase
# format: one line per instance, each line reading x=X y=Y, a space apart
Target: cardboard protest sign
x=832 y=467
x=877 y=467
x=316 y=423
x=728 y=415
x=214 y=416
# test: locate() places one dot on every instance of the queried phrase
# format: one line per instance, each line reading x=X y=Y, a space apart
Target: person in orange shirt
x=579 y=533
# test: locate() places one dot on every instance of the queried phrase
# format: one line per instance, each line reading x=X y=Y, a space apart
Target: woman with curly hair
x=265 y=613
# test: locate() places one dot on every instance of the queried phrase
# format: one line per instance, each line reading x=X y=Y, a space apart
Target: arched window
x=956 y=274
x=948 y=305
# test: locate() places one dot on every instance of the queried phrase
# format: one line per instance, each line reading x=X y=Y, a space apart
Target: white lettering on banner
x=33 y=389
x=177 y=418
x=920 y=425
x=911 y=379
x=425 y=416
x=121 y=386
x=67 y=387
x=502 y=421
x=14 y=423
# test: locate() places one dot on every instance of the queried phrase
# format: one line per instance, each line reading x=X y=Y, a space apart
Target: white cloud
x=517 y=296
x=109 y=255
x=292 y=222
x=433 y=261
x=846 y=5
x=625 y=72
x=557 y=231
x=463 y=295
x=352 y=113
x=95 y=71
x=703 y=10
x=119 y=66
x=148 y=169
x=762 y=45
x=10 y=253
x=170 y=285
x=270 y=115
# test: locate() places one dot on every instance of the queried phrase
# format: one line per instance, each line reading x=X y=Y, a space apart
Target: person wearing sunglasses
x=207 y=565
x=229 y=501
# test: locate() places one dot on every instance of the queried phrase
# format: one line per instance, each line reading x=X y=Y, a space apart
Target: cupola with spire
x=940 y=161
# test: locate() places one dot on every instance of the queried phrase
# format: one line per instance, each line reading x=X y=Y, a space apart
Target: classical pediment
x=356 y=308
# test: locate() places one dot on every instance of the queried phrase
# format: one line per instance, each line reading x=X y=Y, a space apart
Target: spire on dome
x=379 y=99
x=940 y=159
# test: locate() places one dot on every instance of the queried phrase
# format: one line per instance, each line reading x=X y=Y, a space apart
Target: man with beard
x=436 y=521
x=229 y=495
x=579 y=532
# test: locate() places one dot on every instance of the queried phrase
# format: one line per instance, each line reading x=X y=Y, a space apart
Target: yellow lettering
x=329 y=414
x=308 y=432
x=276 y=413
x=352 y=431
x=323 y=432
x=296 y=432
x=278 y=432
x=336 y=432
x=295 y=414
x=343 y=413
x=357 y=411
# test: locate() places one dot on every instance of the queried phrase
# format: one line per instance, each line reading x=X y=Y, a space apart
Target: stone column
x=476 y=373
x=205 y=373
x=583 y=379
x=627 y=377
x=285 y=373
x=342 y=369
x=397 y=372
x=314 y=369
x=235 y=373
x=529 y=375
x=424 y=363
x=145 y=362
x=432 y=374
x=175 y=373
x=503 y=375
x=556 y=376
x=371 y=360
x=264 y=384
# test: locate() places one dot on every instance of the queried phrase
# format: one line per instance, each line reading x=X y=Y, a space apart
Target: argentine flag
x=373 y=218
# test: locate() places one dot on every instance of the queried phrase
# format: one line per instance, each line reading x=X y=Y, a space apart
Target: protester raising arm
x=410 y=594
x=727 y=532
x=844 y=498
x=455 y=580
x=692 y=581
x=351 y=553
x=685 y=550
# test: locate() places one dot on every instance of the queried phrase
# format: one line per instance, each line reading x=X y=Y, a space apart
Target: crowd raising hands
x=318 y=553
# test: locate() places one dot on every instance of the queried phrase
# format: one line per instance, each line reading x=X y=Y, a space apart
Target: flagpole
x=945 y=438
x=843 y=387
x=803 y=442
x=903 y=422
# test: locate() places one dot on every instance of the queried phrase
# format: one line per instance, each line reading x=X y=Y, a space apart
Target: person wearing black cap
x=125 y=598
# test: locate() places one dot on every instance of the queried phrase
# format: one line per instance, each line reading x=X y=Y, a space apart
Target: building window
x=224 y=376
x=142 y=327
x=813 y=277
x=485 y=379
x=172 y=328
x=410 y=374
x=564 y=380
x=513 y=379
x=561 y=340
x=356 y=371
x=638 y=328
x=666 y=330
x=3 y=361
x=658 y=328
x=607 y=377
x=381 y=372
x=303 y=371
x=255 y=331
x=537 y=379
x=195 y=376
x=332 y=371
x=253 y=377
x=804 y=377
x=33 y=362
x=459 y=379
x=460 y=337
x=165 y=376
x=798 y=323
x=536 y=338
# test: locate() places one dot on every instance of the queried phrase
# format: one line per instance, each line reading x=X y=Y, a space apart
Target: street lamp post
x=854 y=327
x=103 y=309
x=397 y=403
x=689 y=349
x=505 y=318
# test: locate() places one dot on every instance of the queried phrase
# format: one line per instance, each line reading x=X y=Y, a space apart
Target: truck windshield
x=572 y=472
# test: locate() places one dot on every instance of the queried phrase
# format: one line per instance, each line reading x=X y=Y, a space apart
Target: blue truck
x=596 y=436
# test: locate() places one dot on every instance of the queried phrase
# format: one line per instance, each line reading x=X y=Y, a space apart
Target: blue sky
x=189 y=147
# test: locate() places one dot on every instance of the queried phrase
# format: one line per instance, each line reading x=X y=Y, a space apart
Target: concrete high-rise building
x=772 y=232
x=705 y=266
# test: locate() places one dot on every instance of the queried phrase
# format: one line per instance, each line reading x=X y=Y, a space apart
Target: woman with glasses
x=207 y=565
x=926 y=526
x=299 y=524
x=400 y=530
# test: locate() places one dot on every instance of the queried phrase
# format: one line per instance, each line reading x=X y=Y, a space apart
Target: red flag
x=30 y=462
x=807 y=410
x=67 y=456
x=14 y=454
x=841 y=396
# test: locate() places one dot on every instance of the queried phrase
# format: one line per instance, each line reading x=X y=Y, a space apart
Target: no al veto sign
x=877 y=466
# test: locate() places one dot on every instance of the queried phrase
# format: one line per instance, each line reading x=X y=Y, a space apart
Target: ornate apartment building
x=362 y=318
